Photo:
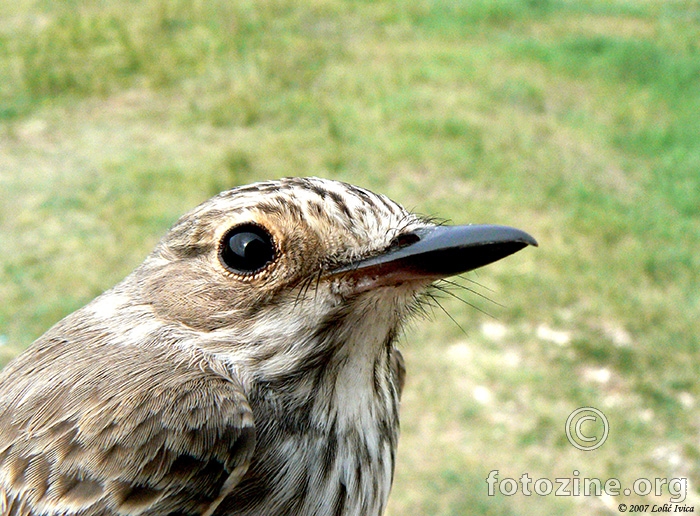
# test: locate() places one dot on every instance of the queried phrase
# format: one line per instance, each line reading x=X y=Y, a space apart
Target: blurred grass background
x=577 y=121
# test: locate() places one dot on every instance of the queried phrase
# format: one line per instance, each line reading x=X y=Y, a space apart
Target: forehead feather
x=324 y=205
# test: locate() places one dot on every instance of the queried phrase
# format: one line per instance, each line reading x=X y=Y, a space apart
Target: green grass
x=576 y=121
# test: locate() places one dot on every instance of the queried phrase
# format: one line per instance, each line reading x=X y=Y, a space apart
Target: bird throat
x=331 y=421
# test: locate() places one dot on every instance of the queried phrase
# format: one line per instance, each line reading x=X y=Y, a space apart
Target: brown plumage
x=246 y=367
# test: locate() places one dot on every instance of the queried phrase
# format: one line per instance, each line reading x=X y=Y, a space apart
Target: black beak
x=437 y=252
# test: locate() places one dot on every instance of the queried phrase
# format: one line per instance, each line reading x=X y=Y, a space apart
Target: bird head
x=284 y=266
x=268 y=245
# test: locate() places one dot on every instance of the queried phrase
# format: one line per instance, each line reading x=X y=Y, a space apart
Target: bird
x=247 y=367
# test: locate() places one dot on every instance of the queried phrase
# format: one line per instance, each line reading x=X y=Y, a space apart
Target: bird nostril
x=404 y=240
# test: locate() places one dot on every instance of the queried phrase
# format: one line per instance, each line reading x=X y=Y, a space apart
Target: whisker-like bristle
x=465 y=278
x=455 y=296
x=439 y=305
x=468 y=289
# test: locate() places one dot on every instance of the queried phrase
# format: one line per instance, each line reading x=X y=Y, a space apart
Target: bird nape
x=247 y=367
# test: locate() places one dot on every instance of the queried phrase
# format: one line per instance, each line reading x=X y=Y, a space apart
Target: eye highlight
x=247 y=249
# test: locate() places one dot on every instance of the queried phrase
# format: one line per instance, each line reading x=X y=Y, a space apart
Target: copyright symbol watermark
x=587 y=428
x=622 y=507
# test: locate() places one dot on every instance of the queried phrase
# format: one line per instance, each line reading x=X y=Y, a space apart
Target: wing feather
x=128 y=431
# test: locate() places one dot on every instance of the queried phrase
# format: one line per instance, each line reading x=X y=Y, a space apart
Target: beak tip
x=530 y=240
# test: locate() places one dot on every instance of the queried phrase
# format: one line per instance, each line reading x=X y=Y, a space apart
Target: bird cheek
x=176 y=295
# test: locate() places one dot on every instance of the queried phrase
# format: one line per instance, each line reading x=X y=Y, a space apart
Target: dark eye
x=247 y=248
